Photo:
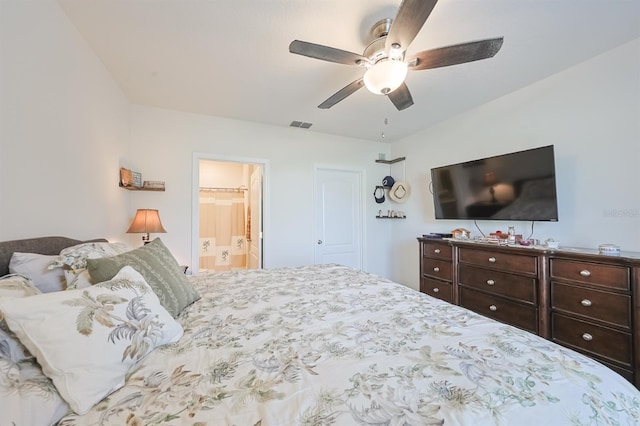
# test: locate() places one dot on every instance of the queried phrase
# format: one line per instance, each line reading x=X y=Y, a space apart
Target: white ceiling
x=230 y=58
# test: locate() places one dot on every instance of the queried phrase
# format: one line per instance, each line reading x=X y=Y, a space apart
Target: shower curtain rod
x=212 y=188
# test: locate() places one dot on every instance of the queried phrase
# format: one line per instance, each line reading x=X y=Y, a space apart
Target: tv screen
x=516 y=186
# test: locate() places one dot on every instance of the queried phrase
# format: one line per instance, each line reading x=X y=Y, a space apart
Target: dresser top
x=591 y=254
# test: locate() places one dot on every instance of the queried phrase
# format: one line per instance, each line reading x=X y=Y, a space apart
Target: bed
x=329 y=345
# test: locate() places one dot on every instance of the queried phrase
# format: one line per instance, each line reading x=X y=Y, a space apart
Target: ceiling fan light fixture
x=385 y=76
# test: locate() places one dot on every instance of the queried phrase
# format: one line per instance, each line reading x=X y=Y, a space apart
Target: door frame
x=361 y=200
x=195 y=203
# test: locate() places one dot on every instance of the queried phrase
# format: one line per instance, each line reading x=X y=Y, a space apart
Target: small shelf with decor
x=140 y=188
x=132 y=181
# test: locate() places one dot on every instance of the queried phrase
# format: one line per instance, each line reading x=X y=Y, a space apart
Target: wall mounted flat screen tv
x=516 y=186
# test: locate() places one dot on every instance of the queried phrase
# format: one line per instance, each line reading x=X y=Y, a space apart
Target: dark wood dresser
x=436 y=269
x=500 y=285
x=575 y=297
x=591 y=309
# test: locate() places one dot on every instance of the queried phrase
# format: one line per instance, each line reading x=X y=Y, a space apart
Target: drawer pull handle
x=492 y=259
x=437 y=251
x=436 y=269
x=493 y=308
x=586 y=303
x=587 y=337
x=436 y=290
x=585 y=273
x=491 y=282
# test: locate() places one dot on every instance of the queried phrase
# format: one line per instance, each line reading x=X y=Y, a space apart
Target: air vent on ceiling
x=301 y=124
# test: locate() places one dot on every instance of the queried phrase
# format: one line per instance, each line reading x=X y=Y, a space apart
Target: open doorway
x=228 y=214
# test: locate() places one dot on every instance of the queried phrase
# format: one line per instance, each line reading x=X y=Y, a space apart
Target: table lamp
x=146 y=221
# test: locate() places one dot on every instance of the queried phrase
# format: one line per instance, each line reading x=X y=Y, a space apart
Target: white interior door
x=255 y=205
x=338 y=217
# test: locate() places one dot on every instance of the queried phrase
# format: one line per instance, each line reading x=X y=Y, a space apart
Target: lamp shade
x=385 y=76
x=146 y=221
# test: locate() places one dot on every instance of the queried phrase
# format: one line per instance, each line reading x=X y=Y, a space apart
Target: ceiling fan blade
x=411 y=16
x=401 y=97
x=326 y=53
x=341 y=94
x=456 y=54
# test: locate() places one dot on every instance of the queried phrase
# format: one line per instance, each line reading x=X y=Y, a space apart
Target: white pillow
x=28 y=396
x=14 y=286
x=35 y=266
x=75 y=257
x=74 y=261
x=83 y=339
x=77 y=278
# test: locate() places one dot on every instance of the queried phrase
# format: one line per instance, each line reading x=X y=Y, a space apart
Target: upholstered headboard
x=41 y=245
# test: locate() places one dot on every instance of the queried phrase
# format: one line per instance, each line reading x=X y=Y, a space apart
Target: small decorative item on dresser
x=609 y=249
x=499 y=235
x=551 y=243
x=461 y=234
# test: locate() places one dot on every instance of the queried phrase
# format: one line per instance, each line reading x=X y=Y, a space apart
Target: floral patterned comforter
x=328 y=345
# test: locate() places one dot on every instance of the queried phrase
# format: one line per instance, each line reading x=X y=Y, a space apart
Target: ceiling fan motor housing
x=375 y=51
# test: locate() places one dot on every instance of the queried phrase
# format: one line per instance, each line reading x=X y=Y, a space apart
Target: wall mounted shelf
x=395 y=160
x=142 y=188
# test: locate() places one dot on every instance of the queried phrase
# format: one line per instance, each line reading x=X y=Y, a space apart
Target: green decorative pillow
x=158 y=267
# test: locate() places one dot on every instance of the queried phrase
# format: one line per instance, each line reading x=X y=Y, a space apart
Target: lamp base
x=145 y=238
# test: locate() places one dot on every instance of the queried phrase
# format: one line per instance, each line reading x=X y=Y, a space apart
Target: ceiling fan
x=384 y=58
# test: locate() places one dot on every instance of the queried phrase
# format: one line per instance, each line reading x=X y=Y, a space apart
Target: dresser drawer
x=436 y=250
x=514 y=286
x=498 y=260
x=600 y=305
x=437 y=268
x=513 y=313
x=593 y=339
x=591 y=273
x=440 y=289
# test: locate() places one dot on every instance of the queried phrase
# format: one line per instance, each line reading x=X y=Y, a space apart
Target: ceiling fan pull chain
x=386 y=121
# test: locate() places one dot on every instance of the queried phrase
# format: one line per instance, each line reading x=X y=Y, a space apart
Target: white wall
x=220 y=174
x=163 y=143
x=590 y=112
x=64 y=127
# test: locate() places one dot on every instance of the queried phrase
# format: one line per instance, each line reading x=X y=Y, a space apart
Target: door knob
x=319 y=241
